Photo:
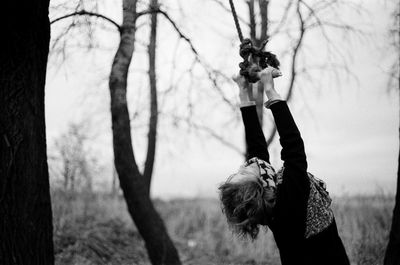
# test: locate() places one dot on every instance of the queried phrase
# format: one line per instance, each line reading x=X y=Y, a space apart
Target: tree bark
x=252 y=20
x=25 y=207
x=159 y=246
x=392 y=255
x=114 y=185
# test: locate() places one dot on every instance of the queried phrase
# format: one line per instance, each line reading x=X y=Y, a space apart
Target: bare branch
x=210 y=132
x=209 y=71
x=283 y=19
x=227 y=9
x=296 y=49
x=87 y=13
x=293 y=73
x=218 y=137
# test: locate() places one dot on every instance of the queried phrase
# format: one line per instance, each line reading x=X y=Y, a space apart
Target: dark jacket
x=289 y=216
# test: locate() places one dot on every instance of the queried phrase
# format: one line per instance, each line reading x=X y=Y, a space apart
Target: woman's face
x=252 y=171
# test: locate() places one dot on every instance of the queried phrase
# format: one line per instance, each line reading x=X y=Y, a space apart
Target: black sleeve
x=293 y=192
x=255 y=139
x=293 y=153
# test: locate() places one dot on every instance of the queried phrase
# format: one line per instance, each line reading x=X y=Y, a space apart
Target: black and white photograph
x=200 y=132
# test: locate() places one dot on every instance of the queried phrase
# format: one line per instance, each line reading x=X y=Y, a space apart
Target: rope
x=235 y=18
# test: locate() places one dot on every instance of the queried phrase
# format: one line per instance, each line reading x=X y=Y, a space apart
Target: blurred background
x=340 y=65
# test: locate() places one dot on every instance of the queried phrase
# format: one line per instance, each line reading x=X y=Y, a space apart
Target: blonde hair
x=246 y=203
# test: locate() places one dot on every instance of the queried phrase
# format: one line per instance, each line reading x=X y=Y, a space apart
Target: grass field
x=96 y=229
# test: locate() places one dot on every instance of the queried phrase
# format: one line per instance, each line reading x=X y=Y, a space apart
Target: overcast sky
x=350 y=128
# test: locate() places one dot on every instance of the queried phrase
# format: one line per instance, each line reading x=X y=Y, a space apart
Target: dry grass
x=96 y=229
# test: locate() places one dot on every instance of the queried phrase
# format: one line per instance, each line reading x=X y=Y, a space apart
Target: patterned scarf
x=267 y=174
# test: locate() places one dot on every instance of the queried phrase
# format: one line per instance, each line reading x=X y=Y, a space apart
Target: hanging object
x=254 y=58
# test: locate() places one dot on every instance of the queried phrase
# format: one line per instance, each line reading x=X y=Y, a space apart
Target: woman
x=292 y=203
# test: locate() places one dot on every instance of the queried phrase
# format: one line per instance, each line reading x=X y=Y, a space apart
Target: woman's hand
x=266 y=78
x=243 y=85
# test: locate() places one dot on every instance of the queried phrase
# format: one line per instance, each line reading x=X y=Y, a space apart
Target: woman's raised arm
x=255 y=139
x=293 y=153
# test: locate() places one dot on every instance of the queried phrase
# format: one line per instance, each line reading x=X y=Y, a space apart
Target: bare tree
x=25 y=208
x=74 y=160
x=135 y=184
x=392 y=255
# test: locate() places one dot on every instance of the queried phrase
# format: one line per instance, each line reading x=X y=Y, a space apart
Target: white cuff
x=272 y=101
x=247 y=104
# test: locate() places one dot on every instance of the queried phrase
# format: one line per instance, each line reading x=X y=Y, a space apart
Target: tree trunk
x=253 y=37
x=25 y=208
x=392 y=255
x=258 y=90
x=263 y=5
x=159 y=246
x=252 y=19
x=152 y=135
